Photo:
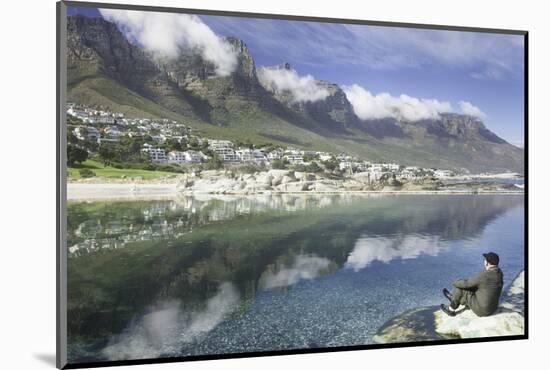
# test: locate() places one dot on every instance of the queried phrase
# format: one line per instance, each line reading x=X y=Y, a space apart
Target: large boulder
x=353 y=185
x=293 y=187
x=277 y=176
x=304 y=176
x=264 y=178
x=287 y=179
x=362 y=177
x=325 y=186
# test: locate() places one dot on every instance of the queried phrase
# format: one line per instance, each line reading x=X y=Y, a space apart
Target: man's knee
x=457 y=292
x=458 y=295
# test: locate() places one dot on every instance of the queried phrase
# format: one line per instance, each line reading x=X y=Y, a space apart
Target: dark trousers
x=460 y=297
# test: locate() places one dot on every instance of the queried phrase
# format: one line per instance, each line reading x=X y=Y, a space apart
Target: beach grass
x=101 y=170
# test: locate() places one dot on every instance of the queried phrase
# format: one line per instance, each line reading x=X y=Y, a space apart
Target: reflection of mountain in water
x=178 y=256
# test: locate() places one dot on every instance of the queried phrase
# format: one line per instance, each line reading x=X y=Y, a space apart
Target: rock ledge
x=430 y=323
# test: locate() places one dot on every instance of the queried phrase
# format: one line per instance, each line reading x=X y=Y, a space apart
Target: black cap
x=492 y=258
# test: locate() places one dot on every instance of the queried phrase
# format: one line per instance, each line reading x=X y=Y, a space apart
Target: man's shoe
x=447 y=294
x=447 y=310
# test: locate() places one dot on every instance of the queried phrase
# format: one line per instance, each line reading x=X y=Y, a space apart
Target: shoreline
x=89 y=191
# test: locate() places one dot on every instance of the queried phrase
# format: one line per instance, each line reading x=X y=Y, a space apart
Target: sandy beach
x=112 y=191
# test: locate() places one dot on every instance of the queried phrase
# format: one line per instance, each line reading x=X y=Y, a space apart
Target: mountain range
x=105 y=69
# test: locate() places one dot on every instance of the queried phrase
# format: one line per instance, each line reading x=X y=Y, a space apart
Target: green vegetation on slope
x=107 y=171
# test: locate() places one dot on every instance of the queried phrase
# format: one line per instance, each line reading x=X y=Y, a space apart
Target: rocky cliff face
x=223 y=97
x=332 y=113
x=189 y=86
x=97 y=48
x=464 y=137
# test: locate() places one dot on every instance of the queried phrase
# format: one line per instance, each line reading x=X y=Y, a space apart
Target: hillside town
x=105 y=127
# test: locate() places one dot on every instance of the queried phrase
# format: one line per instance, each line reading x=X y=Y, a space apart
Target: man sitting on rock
x=479 y=293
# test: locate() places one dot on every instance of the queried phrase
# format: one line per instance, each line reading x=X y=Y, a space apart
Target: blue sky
x=486 y=70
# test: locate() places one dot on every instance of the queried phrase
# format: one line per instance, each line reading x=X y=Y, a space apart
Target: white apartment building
x=392 y=166
x=294 y=158
x=156 y=155
x=192 y=156
x=219 y=144
x=227 y=155
x=443 y=173
x=224 y=149
x=360 y=166
x=78 y=112
x=189 y=156
x=86 y=133
x=176 y=157
x=107 y=120
x=345 y=165
x=251 y=155
x=344 y=158
x=377 y=167
x=159 y=139
x=325 y=156
x=275 y=154
x=113 y=133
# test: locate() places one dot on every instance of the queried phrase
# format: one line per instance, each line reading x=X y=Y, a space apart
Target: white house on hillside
x=176 y=157
x=192 y=156
x=224 y=149
x=251 y=155
x=275 y=154
x=86 y=133
x=441 y=174
x=156 y=155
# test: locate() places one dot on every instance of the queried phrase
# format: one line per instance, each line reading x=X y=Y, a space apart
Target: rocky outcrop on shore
x=430 y=323
x=508 y=320
x=286 y=181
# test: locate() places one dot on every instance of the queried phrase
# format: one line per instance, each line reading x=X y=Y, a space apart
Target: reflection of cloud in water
x=303 y=268
x=164 y=330
x=368 y=249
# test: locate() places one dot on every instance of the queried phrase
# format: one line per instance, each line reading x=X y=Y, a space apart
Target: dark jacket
x=486 y=288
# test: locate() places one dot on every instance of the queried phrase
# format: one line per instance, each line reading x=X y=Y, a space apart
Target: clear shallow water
x=198 y=276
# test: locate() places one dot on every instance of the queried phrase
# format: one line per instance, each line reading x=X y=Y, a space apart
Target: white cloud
x=303 y=268
x=302 y=88
x=383 y=105
x=470 y=109
x=166 y=33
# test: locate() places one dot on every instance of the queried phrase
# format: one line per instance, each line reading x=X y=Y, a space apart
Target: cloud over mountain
x=369 y=106
x=470 y=109
x=302 y=88
x=166 y=33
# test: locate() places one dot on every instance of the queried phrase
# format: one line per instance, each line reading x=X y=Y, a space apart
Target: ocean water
x=211 y=275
